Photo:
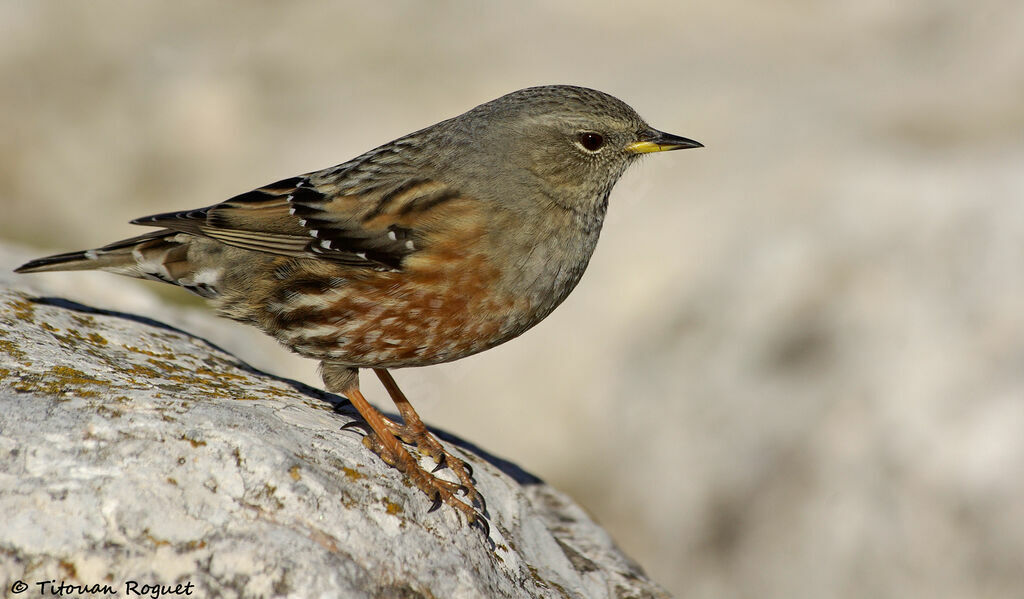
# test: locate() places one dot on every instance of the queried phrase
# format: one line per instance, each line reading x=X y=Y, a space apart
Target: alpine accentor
x=436 y=246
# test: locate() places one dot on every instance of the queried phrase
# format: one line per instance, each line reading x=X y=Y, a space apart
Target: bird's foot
x=384 y=436
x=427 y=444
x=438 y=489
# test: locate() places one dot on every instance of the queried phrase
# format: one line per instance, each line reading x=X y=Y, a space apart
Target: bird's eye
x=590 y=141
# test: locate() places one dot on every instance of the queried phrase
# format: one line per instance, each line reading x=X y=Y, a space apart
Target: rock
x=134 y=452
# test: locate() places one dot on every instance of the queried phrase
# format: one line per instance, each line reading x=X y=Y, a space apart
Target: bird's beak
x=657 y=141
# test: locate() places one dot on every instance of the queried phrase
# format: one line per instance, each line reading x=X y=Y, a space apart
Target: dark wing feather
x=362 y=213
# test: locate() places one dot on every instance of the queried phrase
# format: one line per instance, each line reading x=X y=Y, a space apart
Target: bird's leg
x=414 y=432
x=384 y=443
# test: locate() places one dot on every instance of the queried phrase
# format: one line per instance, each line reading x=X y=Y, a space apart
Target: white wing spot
x=326 y=243
x=392 y=236
x=91 y=254
x=409 y=244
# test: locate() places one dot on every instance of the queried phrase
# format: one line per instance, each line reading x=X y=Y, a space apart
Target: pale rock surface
x=133 y=450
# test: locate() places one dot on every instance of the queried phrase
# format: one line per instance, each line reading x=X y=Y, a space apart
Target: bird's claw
x=360 y=424
x=479 y=503
x=436 y=504
x=481 y=523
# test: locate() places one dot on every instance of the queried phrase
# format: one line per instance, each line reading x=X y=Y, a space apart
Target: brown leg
x=414 y=432
x=383 y=441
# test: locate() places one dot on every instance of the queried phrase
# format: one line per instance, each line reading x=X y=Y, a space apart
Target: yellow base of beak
x=646 y=147
x=659 y=141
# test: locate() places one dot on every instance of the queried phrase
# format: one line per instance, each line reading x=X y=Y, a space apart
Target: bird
x=433 y=247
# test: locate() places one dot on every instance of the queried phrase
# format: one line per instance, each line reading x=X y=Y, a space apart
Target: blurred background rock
x=795 y=367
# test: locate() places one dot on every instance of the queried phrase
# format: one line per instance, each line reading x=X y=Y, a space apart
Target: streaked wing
x=360 y=213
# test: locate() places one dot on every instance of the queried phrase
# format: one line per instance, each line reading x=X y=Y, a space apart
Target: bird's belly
x=422 y=315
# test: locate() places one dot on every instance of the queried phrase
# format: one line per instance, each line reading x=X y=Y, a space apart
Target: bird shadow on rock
x=339 y=404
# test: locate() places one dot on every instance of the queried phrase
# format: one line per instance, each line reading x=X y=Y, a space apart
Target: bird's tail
x=160 y=255
x=117 y=257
